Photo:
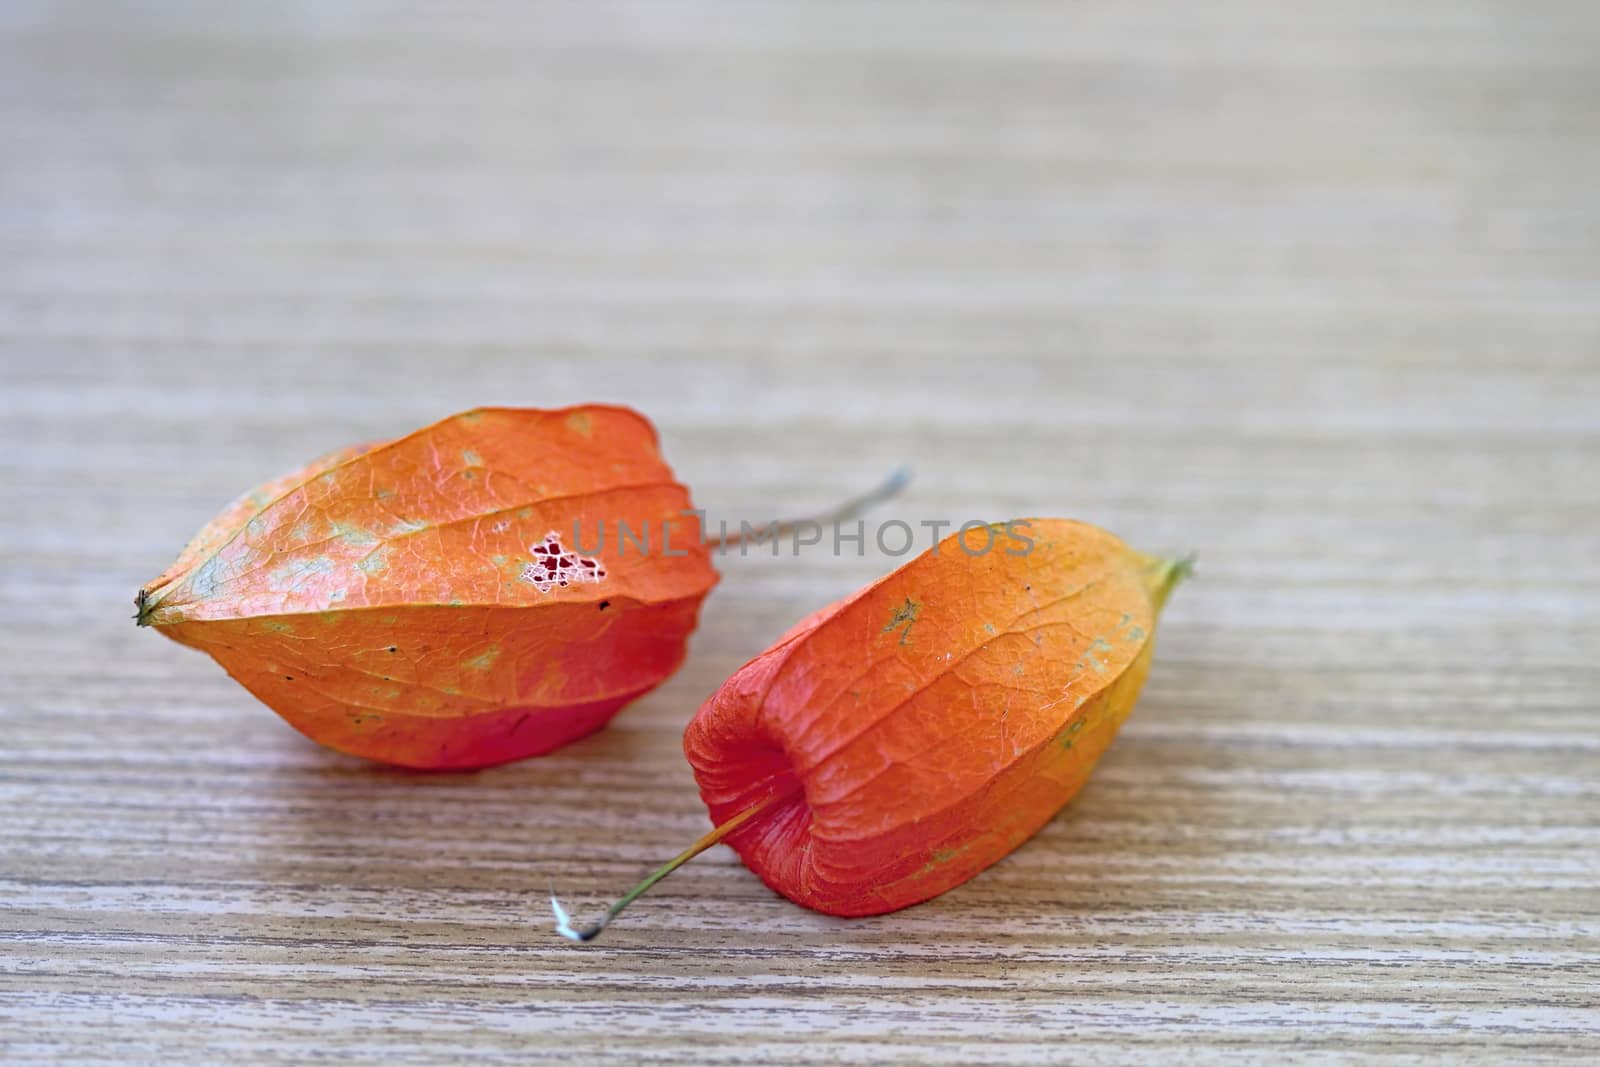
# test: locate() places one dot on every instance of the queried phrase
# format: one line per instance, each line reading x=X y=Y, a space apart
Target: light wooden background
x=1311 y=289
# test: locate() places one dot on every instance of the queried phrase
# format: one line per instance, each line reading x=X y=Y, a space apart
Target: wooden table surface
x=1312 y=290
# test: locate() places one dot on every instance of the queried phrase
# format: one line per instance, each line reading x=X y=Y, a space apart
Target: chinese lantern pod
x=456 y=597
x=903 y=740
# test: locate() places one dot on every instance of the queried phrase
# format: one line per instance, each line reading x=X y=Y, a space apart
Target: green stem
x=1172 y=572
x=589 y=933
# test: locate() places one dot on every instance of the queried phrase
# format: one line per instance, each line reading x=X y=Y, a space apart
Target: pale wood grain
x=1311 y=289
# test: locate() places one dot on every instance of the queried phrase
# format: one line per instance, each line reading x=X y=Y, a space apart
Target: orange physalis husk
x=893 y=745
x=429 y=601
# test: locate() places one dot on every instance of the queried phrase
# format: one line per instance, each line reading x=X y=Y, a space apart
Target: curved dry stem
x=564 y=925
x=891 y=487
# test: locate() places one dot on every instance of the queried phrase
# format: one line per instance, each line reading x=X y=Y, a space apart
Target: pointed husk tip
x=142 y=608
